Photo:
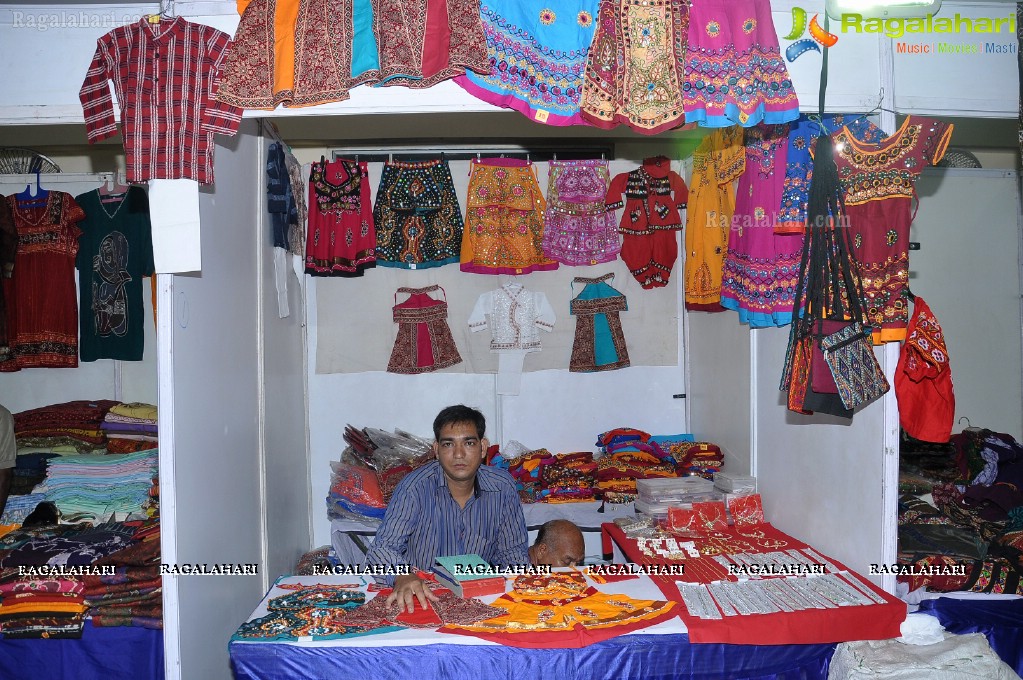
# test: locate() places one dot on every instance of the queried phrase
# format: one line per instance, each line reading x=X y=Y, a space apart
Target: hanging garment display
x=879 y=181
x=635 y=64
x=341 y=240
x=504 y=219
x=115 y=252
x=424 y=342
x=537 y=58
x=563 y=610
x=515 y=317
x=652 y=195
x=717 y=163
x=296 y=231
x=164 y=74
x=599 y=343
x=280 y=202
x=762 y=267
x=42 y=310
x=799 y=163
x=579 y=229
x=923 y=379
x=299 y=53
x=422 y=42
x=8 y=252
x=734 y=72
x=417 y=218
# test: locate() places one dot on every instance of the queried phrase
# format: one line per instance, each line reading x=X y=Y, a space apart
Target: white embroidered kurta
x=515 y=317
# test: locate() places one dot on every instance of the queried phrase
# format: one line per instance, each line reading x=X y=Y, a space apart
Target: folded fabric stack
x=132 y=595
x=543 y=477
x=626 y=461
x=527 y=470
x=152 y=505
x=101 y=484
x=700 y=458
x=40 y=606
x=63 y=544
x=74 y=423
x=20 y=507
x=29 y=470
x=130 y=427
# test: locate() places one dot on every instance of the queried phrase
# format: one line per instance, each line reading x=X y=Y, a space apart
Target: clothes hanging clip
x=914 y=245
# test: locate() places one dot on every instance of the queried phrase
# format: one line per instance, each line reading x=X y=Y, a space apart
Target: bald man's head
x=559 y=543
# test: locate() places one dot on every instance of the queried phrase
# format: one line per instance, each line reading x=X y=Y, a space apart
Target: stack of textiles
x=132 y=595
x=29 y=470
x=542 y=477
x=40 y=606
x=101 y=484
x=627 y=461
x=130 y=427
x=923 y=464
x=316 y=561
x=699 y=458
x=62 y=544
x=152 y=505
x=74 y=423
x=21 y=506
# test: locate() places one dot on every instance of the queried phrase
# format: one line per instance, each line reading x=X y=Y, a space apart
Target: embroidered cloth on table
x=449 y=609
x=299 y=53
x=563 y=610
x=807 y=626
x=417 y=218
x=762 y=268
x=734 y=72
x=424 y=342
x=504 y=219
x=652 y=195
x=717 y=163
x=341 y=239
x=41 y=301
x=579 y=228
x=599 y=343
x=923 y=379
x=634 y=69
x=422 y=42
x=537 y=58
x=879 y=181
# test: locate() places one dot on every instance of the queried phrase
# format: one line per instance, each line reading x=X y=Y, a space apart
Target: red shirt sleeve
x=97 y=104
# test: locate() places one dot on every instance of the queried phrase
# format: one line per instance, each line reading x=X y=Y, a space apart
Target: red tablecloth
x=811 y=626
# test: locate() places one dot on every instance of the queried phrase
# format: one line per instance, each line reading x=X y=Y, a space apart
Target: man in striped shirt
x=451 y=506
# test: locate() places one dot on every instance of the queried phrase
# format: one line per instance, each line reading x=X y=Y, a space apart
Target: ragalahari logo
x=818 y=36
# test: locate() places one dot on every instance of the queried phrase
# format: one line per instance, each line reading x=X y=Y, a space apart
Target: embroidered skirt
x=579 y=228
x=422 y=42
x=635 y=65
x=537 y=58
x=424 y=341
x=599 y=343
x=417 y=217
x=504 y=220
x=734 y=72
x=299 y=53
x=341 y=239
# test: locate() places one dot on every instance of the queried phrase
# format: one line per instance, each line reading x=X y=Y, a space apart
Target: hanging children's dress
x=717 y=163
x=879 y=181
x=579 y=228
x=42 y=309
x=115 y=252
x=652 y=195
x=422 y=42
x=515 y=317
x=599 y=343
x=635 y=65
x=762 y=267
x=341 y=240
x=734 y=72
x=417 y=218
x=504 y=219
x=424 y=341
x=537 y=58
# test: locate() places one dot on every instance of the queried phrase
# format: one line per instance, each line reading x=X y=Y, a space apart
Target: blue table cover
x=112 y=653
x=639 y=657
x=1001 y=622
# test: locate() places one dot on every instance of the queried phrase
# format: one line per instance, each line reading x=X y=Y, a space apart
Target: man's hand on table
x=407 y=589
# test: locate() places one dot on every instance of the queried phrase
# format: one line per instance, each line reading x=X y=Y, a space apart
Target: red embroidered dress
x=424 y=341
x=879 y=188
x=42 y=303
x=341 y=239
x=923 y=379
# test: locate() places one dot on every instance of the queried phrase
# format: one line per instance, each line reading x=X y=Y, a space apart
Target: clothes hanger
x=113 y=189
x=32 y=196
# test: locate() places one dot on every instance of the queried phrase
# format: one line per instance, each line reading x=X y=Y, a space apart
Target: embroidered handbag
x=849 y=354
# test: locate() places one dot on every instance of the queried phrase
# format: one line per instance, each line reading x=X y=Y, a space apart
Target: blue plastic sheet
x=638 y=657
x=1001 y=622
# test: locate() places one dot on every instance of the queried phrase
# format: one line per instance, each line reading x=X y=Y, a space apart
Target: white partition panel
x=821 y=477
x=210 y=425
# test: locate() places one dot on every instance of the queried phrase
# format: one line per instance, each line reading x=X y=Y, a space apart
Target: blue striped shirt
x=423 y=522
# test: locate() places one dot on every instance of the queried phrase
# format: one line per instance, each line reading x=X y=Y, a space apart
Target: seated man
x=451 y=506
x=559 y=543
